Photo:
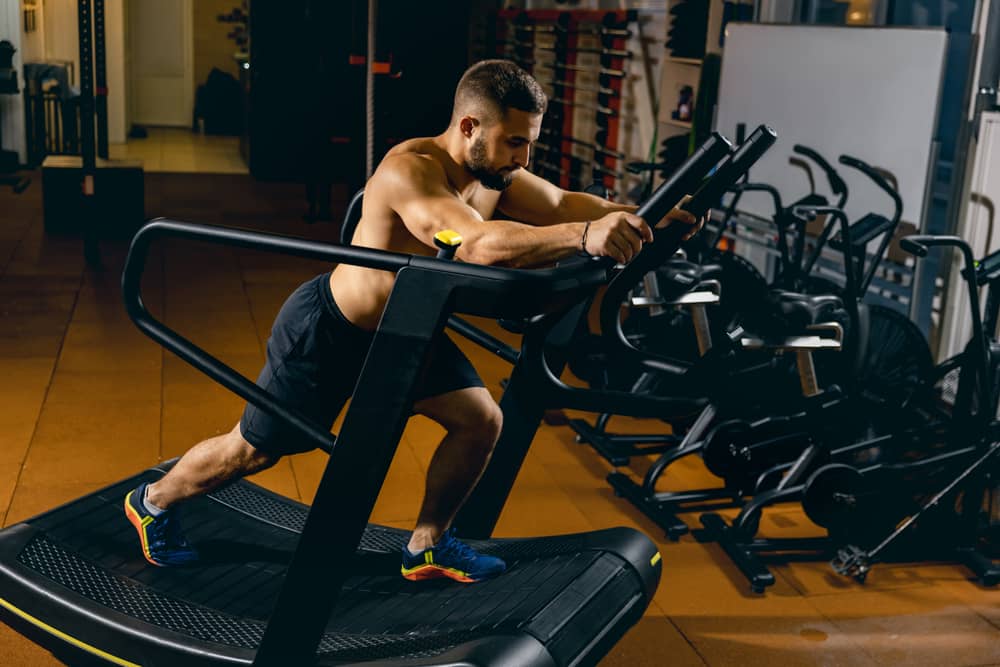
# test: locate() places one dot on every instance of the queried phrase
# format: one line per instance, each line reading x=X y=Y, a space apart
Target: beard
x=478 y=165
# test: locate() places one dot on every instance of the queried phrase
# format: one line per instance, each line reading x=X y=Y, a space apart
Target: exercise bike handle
x=665 y=197
x=879 y=180
x=917 y=244
x=726 y=174
x=913 y=247
x=975 y=274
x=731 y=170
x=837 y=184
x=810 y=213
x=740 y=188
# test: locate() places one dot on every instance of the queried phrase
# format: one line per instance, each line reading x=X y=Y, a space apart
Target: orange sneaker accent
x=424 y=572
x=140 y=526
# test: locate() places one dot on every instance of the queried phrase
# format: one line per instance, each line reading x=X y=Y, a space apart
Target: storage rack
x=580 y=56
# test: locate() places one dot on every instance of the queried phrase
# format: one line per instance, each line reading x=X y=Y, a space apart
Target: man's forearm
x=506 y=243
x=536 y=245
x=580 y=206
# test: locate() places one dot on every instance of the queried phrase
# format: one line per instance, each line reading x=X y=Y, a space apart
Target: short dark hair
x=491 y=87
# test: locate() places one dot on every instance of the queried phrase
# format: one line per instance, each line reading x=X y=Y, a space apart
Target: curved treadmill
x=75 y=575
x=285 y=584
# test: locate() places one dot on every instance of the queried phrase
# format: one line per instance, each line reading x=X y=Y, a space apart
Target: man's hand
x=677 y=214
x=618 y=235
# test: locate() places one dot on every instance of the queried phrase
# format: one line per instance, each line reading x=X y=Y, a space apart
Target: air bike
x=291 y=584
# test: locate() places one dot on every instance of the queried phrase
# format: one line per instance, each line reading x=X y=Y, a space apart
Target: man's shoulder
x=410 y=162
x=410 y=167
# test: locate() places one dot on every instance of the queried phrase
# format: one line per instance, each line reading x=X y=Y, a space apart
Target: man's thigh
x=469 y=408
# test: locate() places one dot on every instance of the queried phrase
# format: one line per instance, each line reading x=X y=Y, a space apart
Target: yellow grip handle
x=447 y=237
x=448 y=241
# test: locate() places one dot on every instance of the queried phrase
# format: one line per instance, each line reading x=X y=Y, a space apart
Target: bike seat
x=811 y=199
x=684 y=272
x=801 y=310
x=792 y=313
x=676 y=277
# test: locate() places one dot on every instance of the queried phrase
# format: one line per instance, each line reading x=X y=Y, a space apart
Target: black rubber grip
x=871 y=173
x=837 y=184
x=684 y=180
x=640 y=167
x=731 y=170
x=913 y=247
x=918 y=245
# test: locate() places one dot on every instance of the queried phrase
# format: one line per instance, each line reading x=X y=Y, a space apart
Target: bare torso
x=361 y=293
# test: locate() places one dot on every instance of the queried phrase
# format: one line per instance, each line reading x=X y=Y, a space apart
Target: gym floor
x=90 y=400
x=177 y=149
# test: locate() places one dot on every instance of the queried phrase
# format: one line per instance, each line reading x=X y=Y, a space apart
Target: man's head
x=498 y=110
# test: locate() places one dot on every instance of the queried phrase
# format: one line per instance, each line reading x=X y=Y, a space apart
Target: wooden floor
x=88 y=400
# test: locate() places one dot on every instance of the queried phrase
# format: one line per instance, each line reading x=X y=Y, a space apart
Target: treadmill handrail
x=216 y=369
x=355 y=255
x=568 y=276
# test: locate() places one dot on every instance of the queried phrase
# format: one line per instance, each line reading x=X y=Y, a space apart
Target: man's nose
x=522 y=157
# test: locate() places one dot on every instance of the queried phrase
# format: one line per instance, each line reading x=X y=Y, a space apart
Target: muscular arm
x=534 y=200
x=417 y=190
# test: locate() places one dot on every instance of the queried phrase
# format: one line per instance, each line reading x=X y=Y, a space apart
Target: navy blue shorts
x=314 y=359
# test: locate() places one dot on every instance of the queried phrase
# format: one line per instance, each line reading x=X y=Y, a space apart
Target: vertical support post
x=922 y=288
x=100 y=81
x=356 y=469
x=570 y=39
x=612 y=40
x=702 y=328
x=807 y=373
x=91 y=251
x=370 y=90
x=523 y=405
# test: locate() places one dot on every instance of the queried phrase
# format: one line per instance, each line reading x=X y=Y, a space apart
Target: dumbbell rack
x=548 y=44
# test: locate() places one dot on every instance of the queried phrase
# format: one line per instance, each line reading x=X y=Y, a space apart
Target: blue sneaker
x=452 y=559
x=163 y=542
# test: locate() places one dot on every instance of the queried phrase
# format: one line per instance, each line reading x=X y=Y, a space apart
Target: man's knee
x=248 y=458
x=487 y=419
x=481 y=418
x=470 y=412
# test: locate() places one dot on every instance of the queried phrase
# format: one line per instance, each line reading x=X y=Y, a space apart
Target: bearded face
x=479 y=166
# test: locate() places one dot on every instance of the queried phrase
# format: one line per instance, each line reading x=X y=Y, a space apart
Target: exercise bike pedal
x=852 y=561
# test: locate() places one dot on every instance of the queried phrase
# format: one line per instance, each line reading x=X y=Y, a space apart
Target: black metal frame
x=791 y=271
x=100 y=81
x=664 y=506
x=91 y=249
x=425 y=290
x=815 y=414
x=543 y=351
x=618 y=448
x=967 y=437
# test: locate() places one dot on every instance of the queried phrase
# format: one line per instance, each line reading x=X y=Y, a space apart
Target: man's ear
x=467 y=125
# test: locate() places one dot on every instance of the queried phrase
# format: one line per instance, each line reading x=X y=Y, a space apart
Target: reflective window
x=842 y=12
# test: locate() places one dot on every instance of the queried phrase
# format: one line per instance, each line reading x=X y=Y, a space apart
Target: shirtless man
x=457 y=180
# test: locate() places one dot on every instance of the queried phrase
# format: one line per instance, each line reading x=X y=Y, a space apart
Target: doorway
x=161 y=62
